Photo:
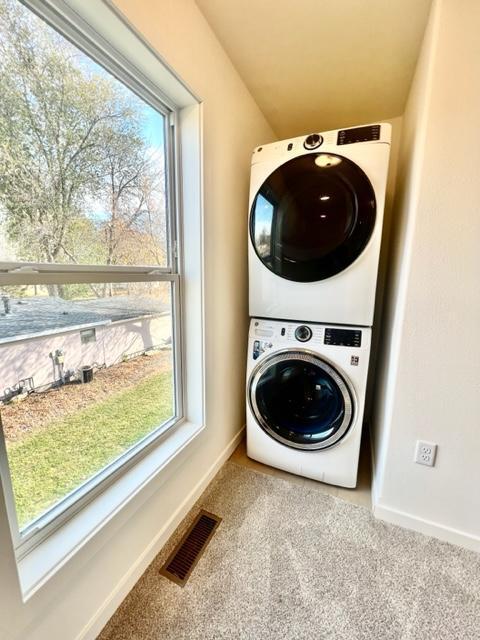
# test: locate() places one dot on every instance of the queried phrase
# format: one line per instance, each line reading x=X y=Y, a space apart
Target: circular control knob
x=303 y=333
x=313 y=141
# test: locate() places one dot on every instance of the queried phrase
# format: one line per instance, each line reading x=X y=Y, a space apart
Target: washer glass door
x=301 y=400
x=312 y=217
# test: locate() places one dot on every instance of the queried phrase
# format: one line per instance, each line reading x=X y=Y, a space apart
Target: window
x=88 y=249
x=88 y=335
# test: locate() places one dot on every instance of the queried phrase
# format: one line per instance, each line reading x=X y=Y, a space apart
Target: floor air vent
x=187 y=553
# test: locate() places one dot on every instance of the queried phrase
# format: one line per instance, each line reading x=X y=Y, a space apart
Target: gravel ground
x=39 y=409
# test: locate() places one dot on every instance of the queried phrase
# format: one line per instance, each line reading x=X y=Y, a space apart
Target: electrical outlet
x=425 y=453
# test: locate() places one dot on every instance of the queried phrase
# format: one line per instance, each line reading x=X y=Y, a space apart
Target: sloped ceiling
x=314 y=65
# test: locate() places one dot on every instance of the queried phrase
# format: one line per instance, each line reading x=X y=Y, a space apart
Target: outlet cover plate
x=425 y=453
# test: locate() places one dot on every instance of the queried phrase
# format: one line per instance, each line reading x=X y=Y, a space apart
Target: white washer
x=315 y=227
x=306 y=387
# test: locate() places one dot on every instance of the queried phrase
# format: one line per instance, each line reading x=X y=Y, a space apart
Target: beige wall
x=428 y=383
x=93 y=583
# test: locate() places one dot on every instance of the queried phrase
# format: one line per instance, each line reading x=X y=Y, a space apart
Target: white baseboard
x=429 y=528
x=130 y=578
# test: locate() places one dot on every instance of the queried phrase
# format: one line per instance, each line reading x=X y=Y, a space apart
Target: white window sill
x=42 y=562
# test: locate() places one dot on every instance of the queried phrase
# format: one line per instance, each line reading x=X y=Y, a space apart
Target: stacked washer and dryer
x=315 y=229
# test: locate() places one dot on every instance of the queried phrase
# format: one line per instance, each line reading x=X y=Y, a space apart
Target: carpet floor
x=290 y=562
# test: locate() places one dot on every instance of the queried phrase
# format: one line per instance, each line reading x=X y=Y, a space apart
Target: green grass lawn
x=50 y=463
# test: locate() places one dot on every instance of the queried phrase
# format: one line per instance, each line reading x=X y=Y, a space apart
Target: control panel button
x=313 y=141
x=303 y=333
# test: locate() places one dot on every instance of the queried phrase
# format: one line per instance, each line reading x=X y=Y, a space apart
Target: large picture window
x=89 y=273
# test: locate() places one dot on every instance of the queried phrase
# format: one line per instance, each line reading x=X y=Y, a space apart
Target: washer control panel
x=343 y=337
x=269 y=333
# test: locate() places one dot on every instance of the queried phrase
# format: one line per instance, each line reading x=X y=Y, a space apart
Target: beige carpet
x=291 y=562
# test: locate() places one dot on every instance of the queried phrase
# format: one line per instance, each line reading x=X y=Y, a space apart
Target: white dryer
x=306 y=387
x=315 y=227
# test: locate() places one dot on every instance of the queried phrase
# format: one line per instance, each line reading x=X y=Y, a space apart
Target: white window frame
x=183 y=123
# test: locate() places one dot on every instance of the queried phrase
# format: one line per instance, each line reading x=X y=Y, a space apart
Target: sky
x=263 y=216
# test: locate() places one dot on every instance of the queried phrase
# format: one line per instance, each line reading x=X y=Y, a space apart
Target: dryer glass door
x=312 y=217
x=301 y=401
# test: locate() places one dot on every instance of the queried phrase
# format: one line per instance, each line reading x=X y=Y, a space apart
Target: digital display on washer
x=359 y=134
x=343 y=337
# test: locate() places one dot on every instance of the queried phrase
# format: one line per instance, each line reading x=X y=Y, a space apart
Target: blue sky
x=263 y=215
x=153 y=128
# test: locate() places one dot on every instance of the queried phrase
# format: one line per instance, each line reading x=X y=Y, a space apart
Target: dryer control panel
x=359 y=134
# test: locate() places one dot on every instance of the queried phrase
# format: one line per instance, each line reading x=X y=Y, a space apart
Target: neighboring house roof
x=31 y=317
